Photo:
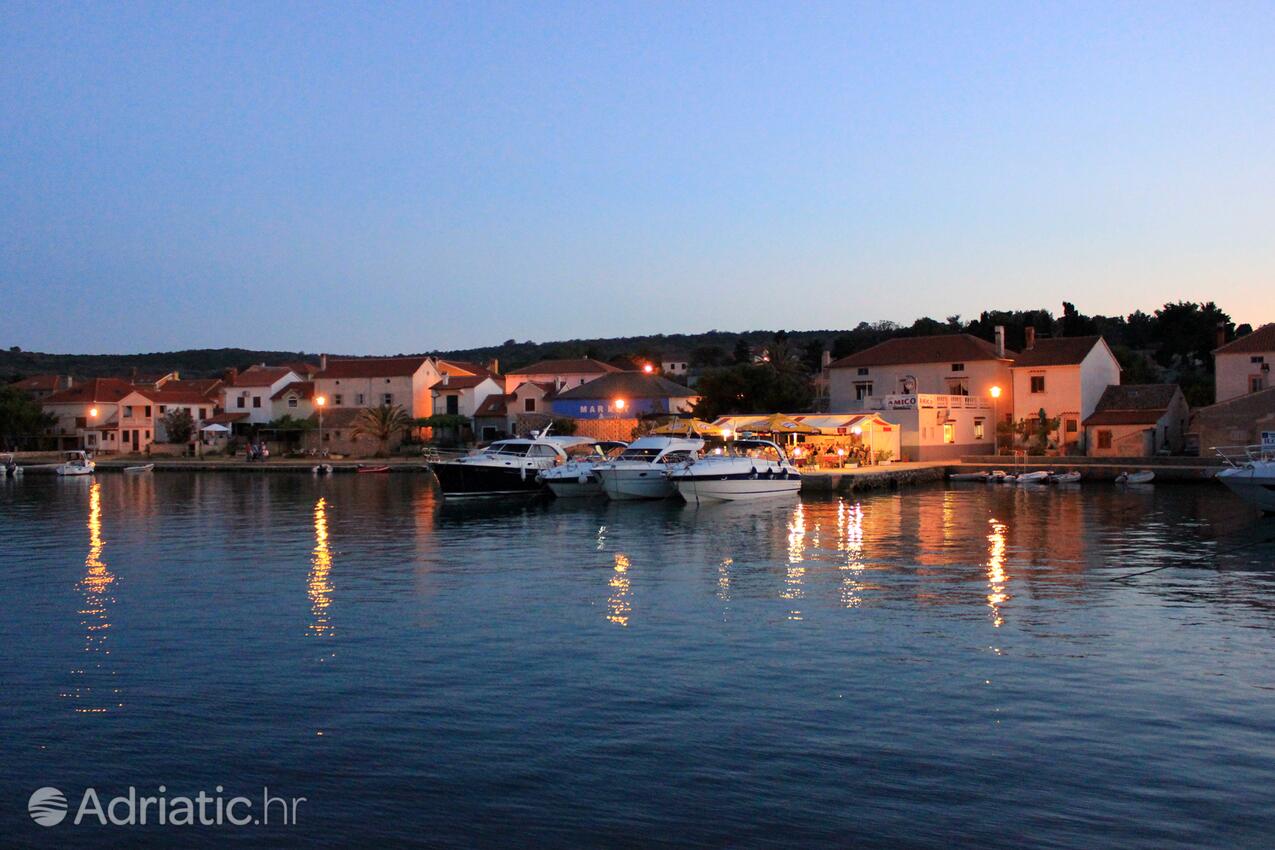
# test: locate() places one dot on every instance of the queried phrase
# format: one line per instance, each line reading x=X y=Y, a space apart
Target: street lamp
x=619 y=404
x=996 y=431
x=320 y=401
x=648 y=368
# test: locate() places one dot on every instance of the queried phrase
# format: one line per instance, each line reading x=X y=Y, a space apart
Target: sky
x=384 y=178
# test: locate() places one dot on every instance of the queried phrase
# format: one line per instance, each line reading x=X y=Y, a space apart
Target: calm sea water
x=917 y=668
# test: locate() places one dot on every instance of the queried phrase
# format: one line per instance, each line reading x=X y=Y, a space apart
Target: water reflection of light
x=602 y=537
x=320 y=583
x=796 y=555
x=723 y=579
x=96 y=620
x=850 y=542
x=996 y=578
x=620 y=602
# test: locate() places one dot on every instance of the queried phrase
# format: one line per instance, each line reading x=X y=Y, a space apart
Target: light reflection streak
x=723 y=579
x=319 y=585
x=620 y=602
x=996 y=577
x=796 y=556
x=95 y=586
x=850 y=542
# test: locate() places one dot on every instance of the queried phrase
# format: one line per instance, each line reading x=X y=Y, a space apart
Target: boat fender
x=753 y=474
x=522 y=472
x=583 y=478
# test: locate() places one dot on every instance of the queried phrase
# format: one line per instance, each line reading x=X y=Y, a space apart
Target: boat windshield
x=647 y=455
x=508 y=448
x=758 y=451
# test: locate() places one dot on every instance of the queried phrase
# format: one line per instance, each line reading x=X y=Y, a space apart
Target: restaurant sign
x=1268 y=440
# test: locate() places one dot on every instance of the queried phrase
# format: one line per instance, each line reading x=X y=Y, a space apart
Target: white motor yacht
x=75 y=463
x=506 y=467
x=576 y=478
x=1250 y=474
x=641 y=470
x=745 y=469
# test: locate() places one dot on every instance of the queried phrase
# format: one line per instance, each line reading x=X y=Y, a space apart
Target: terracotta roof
x=260 y=376
x=1057 y=351
x=945 y=348
x=460 y=382
x=92 y=390
x=456 y=367
x=225 y=418
x=493 y=405
x=580 y=366
x=372 y=367
x=39 y=382
x=1262 y=339
x=629 y=385
x=303 y=389
x=1132 y=404
x=207 y=386
x=301 y=367
x=177 y=396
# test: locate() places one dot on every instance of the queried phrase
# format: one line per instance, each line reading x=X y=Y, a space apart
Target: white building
x=376 y=381
x=461 y=395
x=1065 y=377
x=1244 y=365
x=247 y=396
x=949 y=364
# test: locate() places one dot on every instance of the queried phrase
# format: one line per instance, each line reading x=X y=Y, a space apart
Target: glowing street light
x=996 y=431
x=648 y=368
x=619 y=404
x=320 y=401
x=93 y=412
x=726 y=432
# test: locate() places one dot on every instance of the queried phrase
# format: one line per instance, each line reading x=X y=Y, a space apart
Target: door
x=134 y=439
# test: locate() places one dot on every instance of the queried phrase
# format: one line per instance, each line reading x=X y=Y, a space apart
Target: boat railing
x=1243 y=455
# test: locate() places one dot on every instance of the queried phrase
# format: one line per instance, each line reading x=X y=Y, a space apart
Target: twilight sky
x=378 y=178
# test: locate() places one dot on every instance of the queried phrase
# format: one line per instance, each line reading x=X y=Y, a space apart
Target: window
x=958 y=367
x=256 y=401
x=239 y=402
x=358 y=400
x=1255 y=383
x=949 y=432
x=336 y=398
x=453 y=405
x=147 y=414
x=1257 y=358
x=292 y=401
x=388 y=399
x=148 y=435
x=387 y=380
x=203 y=413
x=1038 y=383
x=863 y=370
x=1072 y=426
x=124 y=436
x=128 y=411
x=529 y=405
x=862 y=391
x=978 y=429
x=956 y=386
x=163 y=408
x=1104 y=439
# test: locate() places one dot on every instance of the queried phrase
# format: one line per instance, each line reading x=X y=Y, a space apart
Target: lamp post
x=92 y=416
x=996 y=430
x=319 y=402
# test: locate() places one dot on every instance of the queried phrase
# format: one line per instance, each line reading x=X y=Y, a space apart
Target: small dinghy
x=322 y=469
x=1142 y=476
x=363 y=468
x=1065 y=477
x=968 y=476
x=1038 y=477
x=137 y=470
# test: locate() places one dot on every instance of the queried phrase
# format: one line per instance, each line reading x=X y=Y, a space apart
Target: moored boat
x=641 y=470
x=504 y=468
x=1250 y=474
x=1065 y=477
x=969 y=476
x=576 y=478
x=322 y=469
x=745 y=469
x=1142 y=476
x=1040 y=476
x=75 y=463
x=138 y=470
x=372 y=469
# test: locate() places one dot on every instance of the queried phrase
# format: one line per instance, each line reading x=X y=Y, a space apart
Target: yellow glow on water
x=95 y=613
x=723 y=579
x=796 y=556
x=620 y=602
x=320 y=581
x=850 y=542
x=996 y=577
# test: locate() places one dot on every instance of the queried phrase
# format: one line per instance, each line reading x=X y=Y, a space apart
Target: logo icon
x=47 y=806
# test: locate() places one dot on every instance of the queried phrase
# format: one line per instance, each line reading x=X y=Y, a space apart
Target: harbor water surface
x=996 y=667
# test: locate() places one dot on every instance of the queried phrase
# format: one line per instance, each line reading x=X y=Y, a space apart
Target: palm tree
x=381 y=423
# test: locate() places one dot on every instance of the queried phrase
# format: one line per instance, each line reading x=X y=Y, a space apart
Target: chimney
x=493 y=366
x=231 y=374
x=323 y=362
x=1000 y=340
x=1221 y=334
x=1031 y=337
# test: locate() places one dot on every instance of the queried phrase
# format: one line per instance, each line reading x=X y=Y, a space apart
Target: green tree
x=749 y=388
x=179 y=425
x=743 y=351
x=381 y=424
x=21 y=418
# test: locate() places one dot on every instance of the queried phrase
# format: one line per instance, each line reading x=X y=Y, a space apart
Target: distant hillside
x=194 y=363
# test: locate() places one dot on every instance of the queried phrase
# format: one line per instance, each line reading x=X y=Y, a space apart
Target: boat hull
x=457 y=480
x=74 y=470
x=732 y=488
x=628 y=484
x=1256 y=490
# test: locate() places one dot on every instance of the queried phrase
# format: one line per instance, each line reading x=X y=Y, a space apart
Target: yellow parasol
x=689 y=427
x=778 y=423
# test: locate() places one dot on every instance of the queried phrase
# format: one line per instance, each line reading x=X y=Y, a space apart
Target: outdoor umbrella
x=778 y=423
x=689 y=427
x=214 y=427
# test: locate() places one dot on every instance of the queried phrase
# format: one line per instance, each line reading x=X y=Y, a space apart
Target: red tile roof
x=39 y=382
x=372 y=367
x=303 y=389
x=629 y=385
x=260 y=376
x=945 y=348
x=1262 y=339
x=178 y=396
x=92 y=390
x=460 y=382
x=493 y=405
x=580 y=366
x=1057 y=351
x=458 y=367
x=1133 y=404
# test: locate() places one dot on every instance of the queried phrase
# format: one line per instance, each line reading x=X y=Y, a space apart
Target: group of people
x=256 y=451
